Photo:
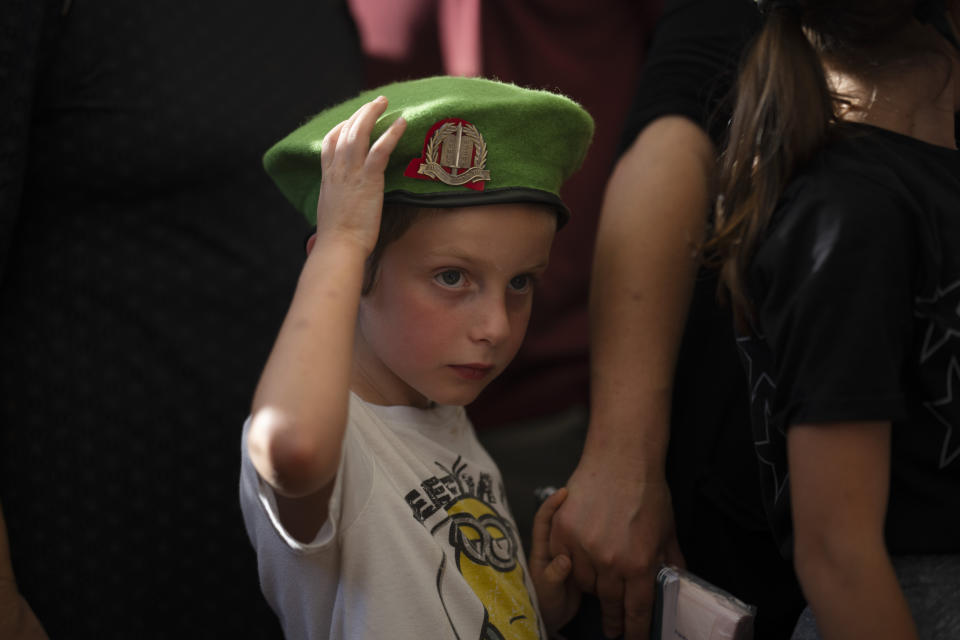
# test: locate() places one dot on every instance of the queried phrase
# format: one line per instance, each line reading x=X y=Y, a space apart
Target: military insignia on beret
x=453 y=153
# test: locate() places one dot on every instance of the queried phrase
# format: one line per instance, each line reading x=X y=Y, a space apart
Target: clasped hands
x=608 y=537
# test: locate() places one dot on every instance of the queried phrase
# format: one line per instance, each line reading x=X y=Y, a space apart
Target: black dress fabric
x=692 y=63
x=858 y=319
x=146 y=262
x=711 y=467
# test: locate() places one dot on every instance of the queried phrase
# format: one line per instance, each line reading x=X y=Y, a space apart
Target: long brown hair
x=782 y=116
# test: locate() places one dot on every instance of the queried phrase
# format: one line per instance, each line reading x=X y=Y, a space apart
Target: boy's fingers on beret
x=363 y=127
x=355 y=138
x=380 y=151
x=329 y=144
x=345 y=131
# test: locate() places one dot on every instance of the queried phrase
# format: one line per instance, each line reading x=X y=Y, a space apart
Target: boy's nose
x=491 y=322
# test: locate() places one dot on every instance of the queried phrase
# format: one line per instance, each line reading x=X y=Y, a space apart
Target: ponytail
x=781 y=117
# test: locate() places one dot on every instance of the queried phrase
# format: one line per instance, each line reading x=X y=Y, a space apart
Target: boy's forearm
x=300 y=405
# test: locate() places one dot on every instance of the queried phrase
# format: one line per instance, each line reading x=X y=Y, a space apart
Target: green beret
x=468 y=141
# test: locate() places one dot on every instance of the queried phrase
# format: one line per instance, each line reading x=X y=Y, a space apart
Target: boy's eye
x=520 y=283
x=449 y=278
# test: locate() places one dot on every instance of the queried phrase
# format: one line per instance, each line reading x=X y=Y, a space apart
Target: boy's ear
x=312 y=240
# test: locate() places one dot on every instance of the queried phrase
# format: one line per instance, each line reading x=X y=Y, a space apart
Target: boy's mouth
x=472 y=371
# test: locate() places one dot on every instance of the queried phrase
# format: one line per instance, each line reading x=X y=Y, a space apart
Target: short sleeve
x=259 y=502
x=834 y=291
x=691 y=64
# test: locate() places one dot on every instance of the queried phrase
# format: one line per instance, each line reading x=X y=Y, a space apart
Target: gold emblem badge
x=454 y=153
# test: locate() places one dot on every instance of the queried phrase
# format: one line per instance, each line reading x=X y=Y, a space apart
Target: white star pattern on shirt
x=778 y=482
x=754 y=386
x=939 y=331
x=951 y=445
x=761 y=446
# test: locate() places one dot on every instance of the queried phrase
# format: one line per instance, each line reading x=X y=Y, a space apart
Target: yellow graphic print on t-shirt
x=486 y=550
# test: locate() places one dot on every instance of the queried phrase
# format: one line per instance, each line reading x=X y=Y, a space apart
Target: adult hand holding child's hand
x=618 y=532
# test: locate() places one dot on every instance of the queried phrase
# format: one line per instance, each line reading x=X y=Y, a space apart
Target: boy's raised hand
x=557 y=593
x=351 y=192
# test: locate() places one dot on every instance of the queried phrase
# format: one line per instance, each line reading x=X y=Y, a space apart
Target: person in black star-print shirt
x=841 y=252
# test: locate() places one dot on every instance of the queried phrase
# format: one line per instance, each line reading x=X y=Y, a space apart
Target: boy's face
x=451 y=303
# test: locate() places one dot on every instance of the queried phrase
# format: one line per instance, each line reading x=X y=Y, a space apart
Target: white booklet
x=689 y=608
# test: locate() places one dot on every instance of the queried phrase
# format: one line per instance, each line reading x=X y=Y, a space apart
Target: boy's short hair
x=394 y=222
x=468 y=141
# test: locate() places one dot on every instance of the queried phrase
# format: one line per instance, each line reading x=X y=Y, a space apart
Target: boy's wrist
x=343 y=243
x=335 y=263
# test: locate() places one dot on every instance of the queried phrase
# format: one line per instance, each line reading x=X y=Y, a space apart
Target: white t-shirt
x=419 y=542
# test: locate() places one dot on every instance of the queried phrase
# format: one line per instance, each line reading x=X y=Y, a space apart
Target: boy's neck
x=369 y=388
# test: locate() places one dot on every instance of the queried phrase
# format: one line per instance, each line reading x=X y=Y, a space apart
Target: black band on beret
x=492 y=196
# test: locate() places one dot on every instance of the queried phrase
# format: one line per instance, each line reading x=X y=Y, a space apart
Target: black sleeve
x=834 y=293
x=691 y=64
x=21 y=29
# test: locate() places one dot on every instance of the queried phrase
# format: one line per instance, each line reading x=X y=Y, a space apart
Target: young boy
x=374 y=510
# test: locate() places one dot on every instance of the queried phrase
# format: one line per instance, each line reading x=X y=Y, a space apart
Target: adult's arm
x=17 y=620
x=617 y=522
x=839 y=485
